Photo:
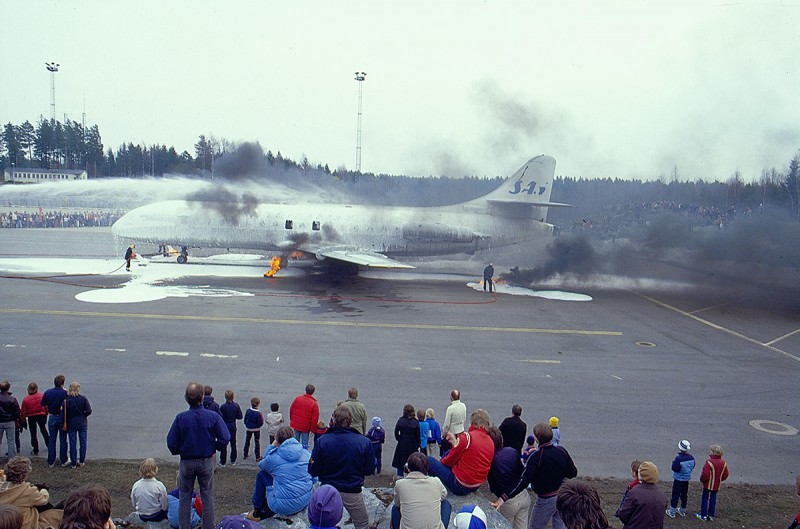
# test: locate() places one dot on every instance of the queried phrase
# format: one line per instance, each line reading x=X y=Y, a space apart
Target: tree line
x=69 y=145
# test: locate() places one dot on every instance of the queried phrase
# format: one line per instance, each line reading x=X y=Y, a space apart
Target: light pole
x=52 y=67
x=360 y=77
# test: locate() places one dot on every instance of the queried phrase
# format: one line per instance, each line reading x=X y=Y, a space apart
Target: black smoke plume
x=243 y=162
x=228 y=205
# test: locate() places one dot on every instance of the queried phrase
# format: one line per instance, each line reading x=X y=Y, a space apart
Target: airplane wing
x=351 y=254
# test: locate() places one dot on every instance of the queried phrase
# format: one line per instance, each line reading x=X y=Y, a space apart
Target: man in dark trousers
x=129 y=256
x=488 y=273
x=514 y=429
x=196 y=435
x=53 y=400
x=341 y=458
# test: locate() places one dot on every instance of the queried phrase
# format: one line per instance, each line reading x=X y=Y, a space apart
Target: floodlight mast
x=360 y=77
x=52 y=67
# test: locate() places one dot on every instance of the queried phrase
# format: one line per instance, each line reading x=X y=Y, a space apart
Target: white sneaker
x=670 y=513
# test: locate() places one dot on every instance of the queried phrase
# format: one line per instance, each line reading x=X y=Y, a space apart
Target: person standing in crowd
x=9 y=417
x=682 y=467
x=87 y=507
x=377 y=436
x=546 y=470
x=342 y=458
x=419 y=499
x=715 y=471
x=455 y=417
x=304 y=415
x=149 y=495
x=36 y=414
x=406 y=433
x=208 y=399
x=556 y=431
x=274 y=421
x=231 y=412
x=504 y=474
x=196 y=434
x=357 y=410
x=488 y=274
x=54 y=399
x=635 y=464
x=514 y=429
x=32 y=500
x=643 y=506
x=253 y=421
x=466 y=466
x=424 y=431
x=435 y=432
x=283 y=484
x=579 y=506
x=77 y=411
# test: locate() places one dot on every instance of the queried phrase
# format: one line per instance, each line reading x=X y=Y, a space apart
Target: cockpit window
x=315 y=225
x=289 y=224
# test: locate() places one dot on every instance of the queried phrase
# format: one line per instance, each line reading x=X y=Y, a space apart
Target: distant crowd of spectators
x=57 y=219
x=624 y=220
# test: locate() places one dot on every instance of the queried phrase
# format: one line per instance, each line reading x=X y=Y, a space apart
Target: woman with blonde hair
x=77 y=409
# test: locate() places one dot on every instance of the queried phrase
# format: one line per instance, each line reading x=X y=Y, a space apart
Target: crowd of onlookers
x=57 y=219
x=432 y=460
x=626 y=220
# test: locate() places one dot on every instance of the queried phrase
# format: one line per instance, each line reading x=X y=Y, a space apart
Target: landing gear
x=183 y=258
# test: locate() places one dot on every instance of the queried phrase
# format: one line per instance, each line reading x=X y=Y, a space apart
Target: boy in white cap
x=682 y=467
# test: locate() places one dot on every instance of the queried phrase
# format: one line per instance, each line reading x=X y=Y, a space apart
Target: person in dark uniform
x=488 y=272
x=129 y=256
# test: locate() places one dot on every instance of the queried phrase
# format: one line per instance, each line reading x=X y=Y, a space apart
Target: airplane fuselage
x=392 y=231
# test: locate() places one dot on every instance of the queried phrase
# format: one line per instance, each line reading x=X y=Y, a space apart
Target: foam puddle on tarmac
x=557 y=295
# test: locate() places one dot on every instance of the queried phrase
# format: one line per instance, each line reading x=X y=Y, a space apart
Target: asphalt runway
x=629 y=373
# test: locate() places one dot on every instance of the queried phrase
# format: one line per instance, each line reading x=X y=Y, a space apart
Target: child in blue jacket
x=682 y=467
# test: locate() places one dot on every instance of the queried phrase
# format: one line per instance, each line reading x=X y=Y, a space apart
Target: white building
x=33 y=175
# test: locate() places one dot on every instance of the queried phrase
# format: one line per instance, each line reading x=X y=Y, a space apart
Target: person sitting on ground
x=579 y=506
x=149 y=495
x=283 y=484
x=419 y=499
x=643 y=507
x=325 y=508
x=504 y=474
x=174 y=503
x=466 y=466
x=32 y=500
x=87 y=507
x=10 y=517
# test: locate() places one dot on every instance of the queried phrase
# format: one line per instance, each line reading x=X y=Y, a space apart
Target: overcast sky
x=621 y=89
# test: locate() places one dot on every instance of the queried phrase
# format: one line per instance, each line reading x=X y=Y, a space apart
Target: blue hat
x=531 y=439
x=470 y=517
x=325 y=507
x=376 y=421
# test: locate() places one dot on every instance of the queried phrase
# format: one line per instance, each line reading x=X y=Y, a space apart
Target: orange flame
x=275 y=265
x=297 y=254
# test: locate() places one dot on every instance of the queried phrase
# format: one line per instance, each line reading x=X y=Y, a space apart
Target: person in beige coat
x=17 y=491
x=419 y=499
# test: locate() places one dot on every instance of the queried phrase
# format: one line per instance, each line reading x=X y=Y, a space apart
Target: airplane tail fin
x=527 y=192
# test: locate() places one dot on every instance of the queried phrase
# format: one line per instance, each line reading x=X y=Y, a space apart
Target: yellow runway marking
x=768 y=345
x=228 y=319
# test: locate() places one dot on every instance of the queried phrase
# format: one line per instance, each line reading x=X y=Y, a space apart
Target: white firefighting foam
x=558 y=295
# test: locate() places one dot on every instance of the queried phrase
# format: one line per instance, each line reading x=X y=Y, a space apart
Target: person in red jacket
x=304 y=415
x=36 y=414
x=715 y=471
x=466 y=466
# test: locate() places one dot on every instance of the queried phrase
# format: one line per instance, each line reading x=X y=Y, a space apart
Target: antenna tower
x=360 y=77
